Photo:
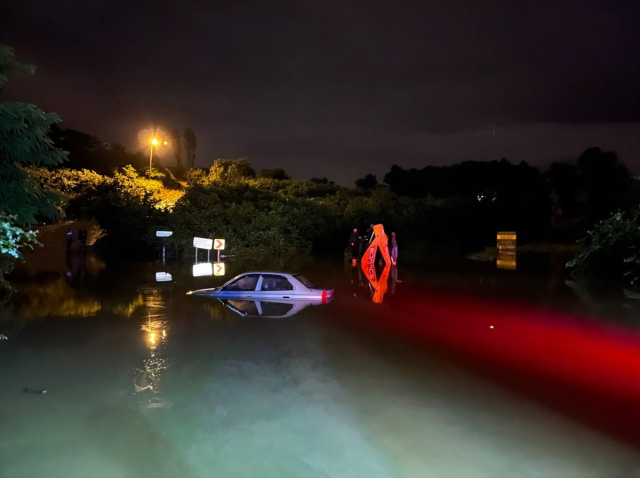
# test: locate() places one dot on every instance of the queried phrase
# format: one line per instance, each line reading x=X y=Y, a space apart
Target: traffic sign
x=163 y=277
x=164 y=233
x=218 y=269
x=202 y=243
x=202 y=269
x=219 y=244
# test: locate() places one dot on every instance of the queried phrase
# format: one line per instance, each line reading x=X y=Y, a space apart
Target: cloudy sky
x=341 y=88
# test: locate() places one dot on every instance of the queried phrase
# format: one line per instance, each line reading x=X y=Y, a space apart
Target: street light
x=153 y=138
x=154 y=142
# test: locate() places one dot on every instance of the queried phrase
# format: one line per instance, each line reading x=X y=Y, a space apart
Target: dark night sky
x=338 y=88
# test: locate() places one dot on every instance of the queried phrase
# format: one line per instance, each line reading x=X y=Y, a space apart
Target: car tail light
x=324 y=296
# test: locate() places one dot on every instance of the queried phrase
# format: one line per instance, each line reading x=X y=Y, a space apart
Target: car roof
x=288 y=274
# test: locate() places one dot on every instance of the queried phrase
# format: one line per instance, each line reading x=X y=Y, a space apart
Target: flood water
x=474 y=373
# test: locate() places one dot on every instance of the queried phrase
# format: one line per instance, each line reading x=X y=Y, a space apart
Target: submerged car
x=268 y=286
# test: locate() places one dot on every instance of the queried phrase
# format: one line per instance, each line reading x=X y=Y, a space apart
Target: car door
x=275 y=286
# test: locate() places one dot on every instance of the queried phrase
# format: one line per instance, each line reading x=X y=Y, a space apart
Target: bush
x=612 y=247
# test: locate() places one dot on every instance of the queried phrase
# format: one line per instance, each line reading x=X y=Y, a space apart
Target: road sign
x=219 y=244
x=507 y=240
x=202 y=243
x=218 y=269
x=203 y=269
x=163 y=277
x=164 y=233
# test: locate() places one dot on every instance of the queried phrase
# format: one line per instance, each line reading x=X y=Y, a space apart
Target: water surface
x=476 y=373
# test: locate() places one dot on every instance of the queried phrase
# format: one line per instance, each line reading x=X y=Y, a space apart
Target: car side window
x=246 y=283
x=275 y=283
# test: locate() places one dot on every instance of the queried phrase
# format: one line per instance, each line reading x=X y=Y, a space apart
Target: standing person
x=82 y=237
x=354 y=244
x=69 y=238
x=393 y=247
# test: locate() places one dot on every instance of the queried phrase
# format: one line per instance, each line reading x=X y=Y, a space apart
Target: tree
x=368 y=182
x=177 y=147
x=190 y=143
x=565 y=182
x=605 y=181
x=612 y=247
x=231 y=170
x=275 y=173
x=88 y=152
x=24 y=141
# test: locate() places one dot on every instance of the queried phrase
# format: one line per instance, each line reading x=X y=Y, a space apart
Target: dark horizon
x=341 y=89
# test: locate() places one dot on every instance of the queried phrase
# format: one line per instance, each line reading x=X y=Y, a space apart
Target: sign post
x=219 y=246
x=202 y=243
x=507 y=241
x=164 y=235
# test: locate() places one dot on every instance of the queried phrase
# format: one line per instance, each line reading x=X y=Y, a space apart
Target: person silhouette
x=69 y=237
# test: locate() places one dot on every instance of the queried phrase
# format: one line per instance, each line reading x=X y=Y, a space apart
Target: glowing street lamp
x=154 y=138
x=154 y=142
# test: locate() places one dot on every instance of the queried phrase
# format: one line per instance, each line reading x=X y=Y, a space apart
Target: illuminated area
x=155 y=139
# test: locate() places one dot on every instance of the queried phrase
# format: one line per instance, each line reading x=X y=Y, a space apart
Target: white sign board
x=218 y=244
x=163 y=277
x=164 y=233
x=203 y=269
x=202 y=243
x=218 y=269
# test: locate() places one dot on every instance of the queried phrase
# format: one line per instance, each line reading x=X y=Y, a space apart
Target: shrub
x=612 y=247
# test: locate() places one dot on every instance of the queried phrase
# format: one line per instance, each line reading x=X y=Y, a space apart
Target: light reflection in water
x=147 y=381
x=506 y=260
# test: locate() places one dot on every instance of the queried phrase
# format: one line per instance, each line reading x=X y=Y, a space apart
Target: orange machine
x=380 y=241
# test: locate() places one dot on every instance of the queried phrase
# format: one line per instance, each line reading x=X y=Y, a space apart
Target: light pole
x=154 y=142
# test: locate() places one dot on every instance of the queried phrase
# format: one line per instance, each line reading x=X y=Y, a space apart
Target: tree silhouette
x=567 y=186
x=368 y=182
x=275 y=173
x=319 y=180
x=88 y=152
x=177 y=147
x=605 y=181
x=190 y=143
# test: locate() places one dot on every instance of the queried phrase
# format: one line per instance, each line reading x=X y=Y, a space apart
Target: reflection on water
x=268 y=309
x=378 y=282
x=155 y=329
x=506 y=260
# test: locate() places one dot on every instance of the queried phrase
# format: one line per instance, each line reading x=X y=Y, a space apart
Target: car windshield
x=306 y=282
